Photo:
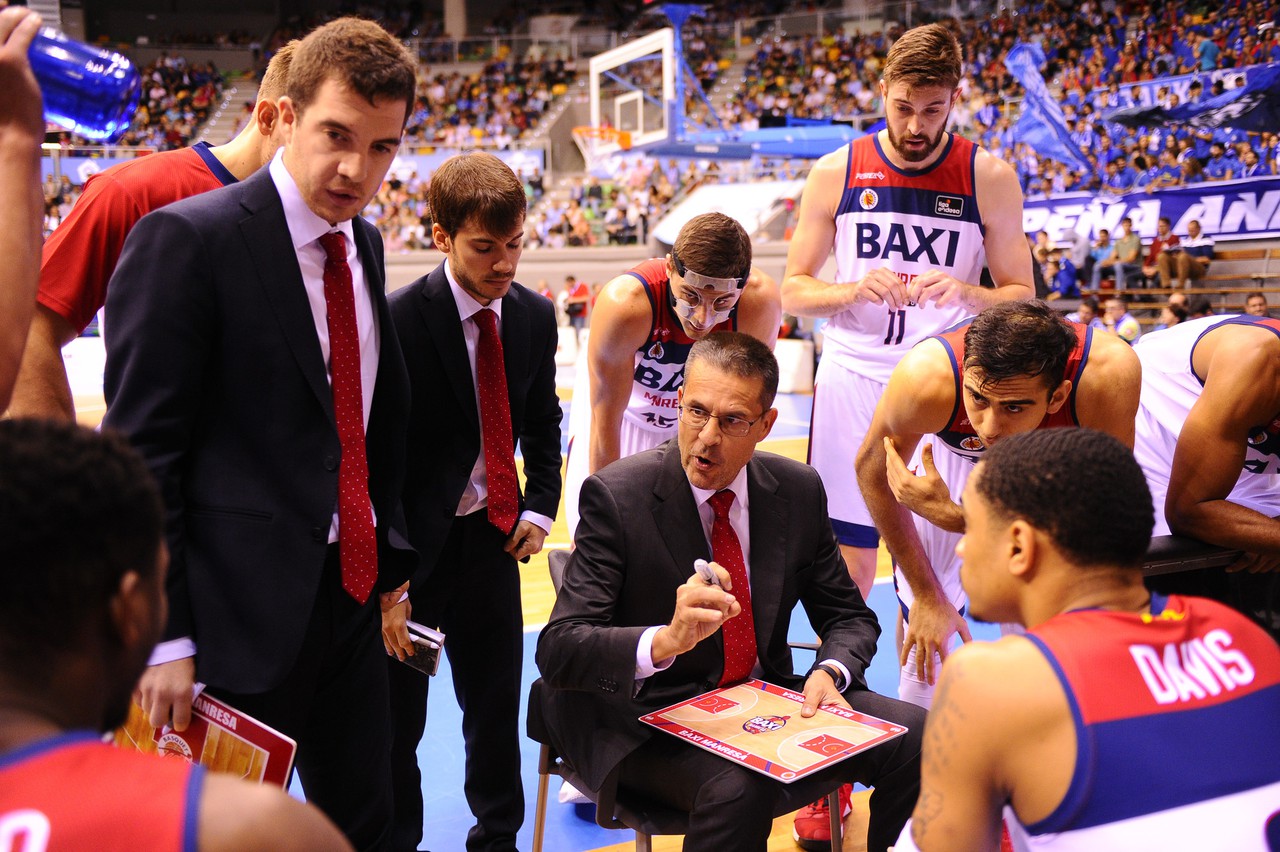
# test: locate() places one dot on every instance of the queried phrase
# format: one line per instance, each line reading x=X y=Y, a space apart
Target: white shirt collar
x=468 y=305
x=738 y=486
x=305 y=227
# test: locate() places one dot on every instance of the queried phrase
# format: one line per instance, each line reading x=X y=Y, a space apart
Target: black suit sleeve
x=580 y=648
x=540 y=429
x=158 y=349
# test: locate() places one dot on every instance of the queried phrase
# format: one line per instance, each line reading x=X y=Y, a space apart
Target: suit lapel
x=266 y=234
x=515 y=340
x=676 y=515
x=440 y=315
x=769 y=519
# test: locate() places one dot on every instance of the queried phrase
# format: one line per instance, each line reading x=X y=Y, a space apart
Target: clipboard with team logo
x=759 y=725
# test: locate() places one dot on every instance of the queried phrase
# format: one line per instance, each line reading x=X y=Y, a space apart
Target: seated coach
x=635 y=629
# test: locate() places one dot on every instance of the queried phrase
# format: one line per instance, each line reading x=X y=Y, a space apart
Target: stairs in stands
x=222 y=125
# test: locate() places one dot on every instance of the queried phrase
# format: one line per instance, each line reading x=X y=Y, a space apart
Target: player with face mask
x=642 y=327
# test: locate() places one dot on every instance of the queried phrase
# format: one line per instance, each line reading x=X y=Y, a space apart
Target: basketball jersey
x=1170 y=386
x=909 y=222
x=1175 y=713
x=73 y=792
x=659 y=371
x=959 y=434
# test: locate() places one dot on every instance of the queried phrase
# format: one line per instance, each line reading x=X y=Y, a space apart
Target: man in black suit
x=465 y=514
x=253 y=362
x=634 y=629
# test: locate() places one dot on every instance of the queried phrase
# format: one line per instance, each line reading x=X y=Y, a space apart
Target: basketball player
x=1124 y=719
x=1016 y=367
x=83 y=565
x=1208 y=439
x=642 y=327
x=912 y=213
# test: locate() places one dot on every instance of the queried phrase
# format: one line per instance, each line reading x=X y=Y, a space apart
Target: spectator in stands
x=1255 y=304
x=1060 y=274
x=1160 y=256
x=1218 y=166
x=1119 y=321
x=576 y=296
x=1101 y=250
x=1251 y=165
x=1123 y=261
x=1087 y=313
x=1170 y=315
x=1200 y=307
x=1192 y=262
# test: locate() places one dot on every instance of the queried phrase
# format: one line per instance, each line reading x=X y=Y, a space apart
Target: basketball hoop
x=598 y=143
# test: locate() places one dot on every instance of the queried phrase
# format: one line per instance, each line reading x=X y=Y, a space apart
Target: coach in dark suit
x=465 y=514
x=632 y=631
x=253 y=362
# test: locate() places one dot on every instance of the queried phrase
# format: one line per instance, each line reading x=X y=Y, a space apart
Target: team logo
x=764 y=724
x=656 y=350
x=868 y=198
x=949 y=205
x=172 y=745
x=972 y=443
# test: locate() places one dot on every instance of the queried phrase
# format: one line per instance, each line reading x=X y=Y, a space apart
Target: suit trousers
x=334 y=703
x=472 y=594
x=732 y=807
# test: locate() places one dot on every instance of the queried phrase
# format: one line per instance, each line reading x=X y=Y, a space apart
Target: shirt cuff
x=845 y=678
x=645 y=666
x=174 y=649
x=540 y=520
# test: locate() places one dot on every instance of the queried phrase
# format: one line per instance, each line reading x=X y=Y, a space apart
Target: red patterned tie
x=357 y=541
x=740 y=632
x=495 y=425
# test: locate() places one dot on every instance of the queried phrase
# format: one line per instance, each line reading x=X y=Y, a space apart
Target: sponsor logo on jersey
x=764 y=724
x=914 y=243
x=972 y=443
x=655 y=351
x=949 y=205
x=868 y=199
x=869 y=176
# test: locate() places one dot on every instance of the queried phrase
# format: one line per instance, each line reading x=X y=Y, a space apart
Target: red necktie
x=740 y=632
x=357 y=541
x=495 y=425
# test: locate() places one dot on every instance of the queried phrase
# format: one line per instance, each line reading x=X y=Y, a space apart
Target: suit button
x=330 y=463
x=317 y=534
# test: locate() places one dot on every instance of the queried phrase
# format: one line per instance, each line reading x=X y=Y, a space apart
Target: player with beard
x=913 y=214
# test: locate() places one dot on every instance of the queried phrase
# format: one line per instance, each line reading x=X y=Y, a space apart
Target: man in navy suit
x=253 y=362
x=468 y=583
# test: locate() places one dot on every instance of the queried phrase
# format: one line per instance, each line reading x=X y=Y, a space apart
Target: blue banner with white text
x=1041 y=123
x=1227 y=210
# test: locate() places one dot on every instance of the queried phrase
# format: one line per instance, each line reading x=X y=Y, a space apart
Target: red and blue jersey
x=73 y=792
x=959 y=434
x=1177 y=719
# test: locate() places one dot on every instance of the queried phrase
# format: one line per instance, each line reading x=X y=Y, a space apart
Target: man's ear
x=1023 y=548
x=440 y=237
x=266 y=114
x=130 y=611
x=1059 y=396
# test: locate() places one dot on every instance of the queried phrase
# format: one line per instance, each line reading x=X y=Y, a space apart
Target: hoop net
x=598 y=143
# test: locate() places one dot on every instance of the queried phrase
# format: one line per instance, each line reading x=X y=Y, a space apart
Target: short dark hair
x=924 y=57
x=1014 y=339
x=1255 y=295
x=1094 y=521
x=741 y=355
x=477 y=188
x=360 y=55
x=1200 y=306
x=714 y=245
x=78 y=509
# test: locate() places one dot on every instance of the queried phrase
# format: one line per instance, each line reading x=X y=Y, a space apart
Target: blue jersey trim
x=956 y=372
x=946 y=150
x=855 y=535
x=214 y=164
x=191 y=818
x=1078 y=790
x=31 y=750
x=1075 y=379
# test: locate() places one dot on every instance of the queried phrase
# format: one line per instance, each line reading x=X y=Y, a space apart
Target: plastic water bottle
x=88 y=90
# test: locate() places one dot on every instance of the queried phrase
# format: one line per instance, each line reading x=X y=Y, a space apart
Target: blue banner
x=1255 y=106
x=1226 y=210
x=1041 y=124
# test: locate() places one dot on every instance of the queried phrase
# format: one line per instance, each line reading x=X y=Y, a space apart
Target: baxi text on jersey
x=647 y=377
x=1193 y=670
x=914 y=244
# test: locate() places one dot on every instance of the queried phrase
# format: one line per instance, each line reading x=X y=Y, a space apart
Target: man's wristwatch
x=836 y=677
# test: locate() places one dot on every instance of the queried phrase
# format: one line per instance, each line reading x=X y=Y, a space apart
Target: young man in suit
x=480 y=349
x=634 y=629
x=253 y=362
x=82 y=561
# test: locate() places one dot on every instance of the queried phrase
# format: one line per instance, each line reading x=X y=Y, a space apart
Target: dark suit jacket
x=444 y=424
x=636 y=543
x=215 y=374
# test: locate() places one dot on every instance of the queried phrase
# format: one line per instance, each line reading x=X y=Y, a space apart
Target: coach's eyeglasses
x=734 y=427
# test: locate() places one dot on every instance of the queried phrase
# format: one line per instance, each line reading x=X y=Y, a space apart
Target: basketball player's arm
x=1107 y=399
x=803 y=292
x=760 y=308
x=1241 y=391
x=917 y=402
x=21 y=197
x=1008 y=256
x=237 y=816
x=619 y=327
x=42 y=388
